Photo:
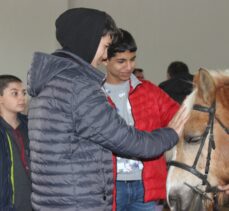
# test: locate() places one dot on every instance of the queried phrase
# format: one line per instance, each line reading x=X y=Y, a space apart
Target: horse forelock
x=221 y=77
x=190 y=99
x=216 y=73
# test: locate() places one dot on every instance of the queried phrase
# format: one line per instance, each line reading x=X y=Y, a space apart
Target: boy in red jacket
x=139 y=184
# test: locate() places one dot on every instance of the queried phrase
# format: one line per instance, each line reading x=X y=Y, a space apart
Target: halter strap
x=222 y=125
x=201 y=108
x=191 y=170
x=211 y=145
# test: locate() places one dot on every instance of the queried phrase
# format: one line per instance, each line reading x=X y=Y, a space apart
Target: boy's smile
x=120 y=67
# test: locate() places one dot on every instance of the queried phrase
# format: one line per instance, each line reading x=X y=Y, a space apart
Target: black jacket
x=178 y=87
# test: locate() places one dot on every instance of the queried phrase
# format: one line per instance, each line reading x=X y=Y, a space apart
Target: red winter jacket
x=152 y=108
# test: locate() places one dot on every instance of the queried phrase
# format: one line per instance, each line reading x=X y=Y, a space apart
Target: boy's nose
x=22 y=96
x=129 y=66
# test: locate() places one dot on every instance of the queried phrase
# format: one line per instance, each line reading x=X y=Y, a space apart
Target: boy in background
x=179 y=81
x=139 y=73
x=15 y=185
x=139 y=184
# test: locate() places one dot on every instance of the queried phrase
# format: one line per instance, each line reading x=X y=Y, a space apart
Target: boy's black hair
x=177 y=68
x=124 y=42
x=138 y=70
x=110 y=28
x=6 y=79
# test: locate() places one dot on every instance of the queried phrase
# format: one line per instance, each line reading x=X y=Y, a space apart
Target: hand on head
x=179 y=120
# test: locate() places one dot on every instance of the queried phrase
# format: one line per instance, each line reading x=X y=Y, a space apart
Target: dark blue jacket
x=6 y=192
x=14 y=183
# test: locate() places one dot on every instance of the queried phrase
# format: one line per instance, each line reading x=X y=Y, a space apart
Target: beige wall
x=195 y=32
x=26 y=26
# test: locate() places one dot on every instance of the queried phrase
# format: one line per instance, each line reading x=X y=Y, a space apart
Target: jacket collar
x=134 y=82
x=94 y=73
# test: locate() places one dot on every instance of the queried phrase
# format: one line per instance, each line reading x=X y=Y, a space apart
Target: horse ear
x=205 y=86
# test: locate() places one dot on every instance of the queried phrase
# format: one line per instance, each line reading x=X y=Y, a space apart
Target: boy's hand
x=178 y=121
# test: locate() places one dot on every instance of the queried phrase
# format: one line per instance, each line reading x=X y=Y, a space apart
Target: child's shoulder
x=23 y=118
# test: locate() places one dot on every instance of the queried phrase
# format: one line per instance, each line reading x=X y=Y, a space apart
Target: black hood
x=79 y=31
x=45 y=67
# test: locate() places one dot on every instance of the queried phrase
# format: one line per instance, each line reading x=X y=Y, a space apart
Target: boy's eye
x=120 y=61
x=106 y=46
x=14 y=93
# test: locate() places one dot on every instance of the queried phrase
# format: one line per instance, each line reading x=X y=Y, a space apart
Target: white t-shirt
x=127 y=169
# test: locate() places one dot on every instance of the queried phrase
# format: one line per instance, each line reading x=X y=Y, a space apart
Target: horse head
x=200 y=160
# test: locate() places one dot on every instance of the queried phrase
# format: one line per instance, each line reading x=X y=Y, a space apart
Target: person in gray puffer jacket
x=73 y=130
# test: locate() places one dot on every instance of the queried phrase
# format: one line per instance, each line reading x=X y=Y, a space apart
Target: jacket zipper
x=103 y=176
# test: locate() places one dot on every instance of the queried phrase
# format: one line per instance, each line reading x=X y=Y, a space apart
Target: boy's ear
x=105 y=62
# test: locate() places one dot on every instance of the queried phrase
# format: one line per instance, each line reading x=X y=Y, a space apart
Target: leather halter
x=211 y=146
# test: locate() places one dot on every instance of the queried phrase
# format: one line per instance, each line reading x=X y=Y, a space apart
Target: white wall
x=195 y=32
x=26 y=26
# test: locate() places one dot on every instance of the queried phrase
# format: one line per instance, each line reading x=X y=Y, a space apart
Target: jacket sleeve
x=99 y=123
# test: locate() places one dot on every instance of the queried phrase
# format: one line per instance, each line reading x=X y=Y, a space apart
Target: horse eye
x=192 y=139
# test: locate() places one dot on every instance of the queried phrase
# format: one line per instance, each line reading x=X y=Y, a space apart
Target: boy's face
x=13 y=99
x=120 y=67
x=101 y=53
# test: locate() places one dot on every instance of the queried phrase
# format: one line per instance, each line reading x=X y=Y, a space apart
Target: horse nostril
x=172 y=198
x=174 y=202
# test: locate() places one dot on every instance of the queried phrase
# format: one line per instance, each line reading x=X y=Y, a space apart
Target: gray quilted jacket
x=73 y=131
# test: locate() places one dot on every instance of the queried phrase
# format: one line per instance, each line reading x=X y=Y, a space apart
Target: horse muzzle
x=185 y=201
